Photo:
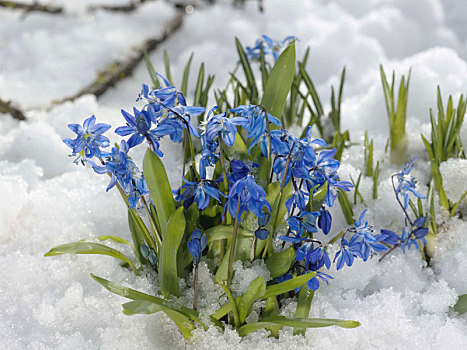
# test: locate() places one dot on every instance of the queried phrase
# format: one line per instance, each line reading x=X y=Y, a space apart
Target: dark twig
x=7 y=108
x=34 y=7
x=121 y=70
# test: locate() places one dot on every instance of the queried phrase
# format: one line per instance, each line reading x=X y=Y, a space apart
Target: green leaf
x=305 y=298
x=311 y=89
x=279 y=82
x=288 y=285
x=279 y=263
x=271 y=291
x=233 y=303
x=346 y=207
x=255 y=291
x=168 y=74
x=225 y=232
x=272 y=309
x=90 y=248
x=199 y=86
x=114 y=239
x=152 y=72
x=168 y=278
x=135 y=295
x=295 y=322
x=159 y=186
x=146 y=307
x=461 y=305
x=250 y=78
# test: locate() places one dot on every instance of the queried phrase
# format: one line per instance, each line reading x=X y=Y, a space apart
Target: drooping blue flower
x=89 y=139
x=253 y=119
x=200 y=192
x=315 y=257
x=313 y=283
x=219 y=123
x=299 y=199
x=324 y=220
x=261 y=233
x=124 y=171
x=149 y=254
x=304 y=221
x=406 y=184
x=249 y=196
x=209 y=155
x=239 y=170
x=197 y=244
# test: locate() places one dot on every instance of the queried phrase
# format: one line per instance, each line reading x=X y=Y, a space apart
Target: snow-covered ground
x=52 y=303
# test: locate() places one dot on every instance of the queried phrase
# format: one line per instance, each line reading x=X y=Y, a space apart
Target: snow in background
x=52 y=303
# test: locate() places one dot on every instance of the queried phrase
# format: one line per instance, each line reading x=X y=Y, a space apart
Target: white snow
x=52 y=303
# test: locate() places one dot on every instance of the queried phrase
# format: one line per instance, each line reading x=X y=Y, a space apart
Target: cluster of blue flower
x=270 y=47
x=306 y=163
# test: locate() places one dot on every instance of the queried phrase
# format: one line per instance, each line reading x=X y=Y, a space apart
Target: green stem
x=226 y=189
x=195 y=285
x=153 y=224
x=232 y=245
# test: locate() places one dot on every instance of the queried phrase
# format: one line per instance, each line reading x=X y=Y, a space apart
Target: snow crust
x=52 y=303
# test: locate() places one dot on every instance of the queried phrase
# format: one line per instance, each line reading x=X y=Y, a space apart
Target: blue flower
x=124 y=171
x=89 y=138
x=349 y=251
x=138 y=126
x=252 y=198
x=270 y=46
x=324 y=220
x=305 y=220
x=261 y=233
x=298 y=200
x=219 y=123
x=197 y=244
x=200 y=192
x=314 y=282
x=314 y=257
x=209 y=156
x=406 y=184
x=253 y=119
x=240 y=170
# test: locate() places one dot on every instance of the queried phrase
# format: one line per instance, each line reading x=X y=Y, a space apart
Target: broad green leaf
x=295 y=322
x=159 y=186
x=135 y=295
x=146 y=307
x=272 y=309
x=279 y=82
x=168 y=277
x=225 y=232
x=305 y=297
x=461 y=305
x=279 y=263
x=239 y=149
x=255 y=291
x=90 y=248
